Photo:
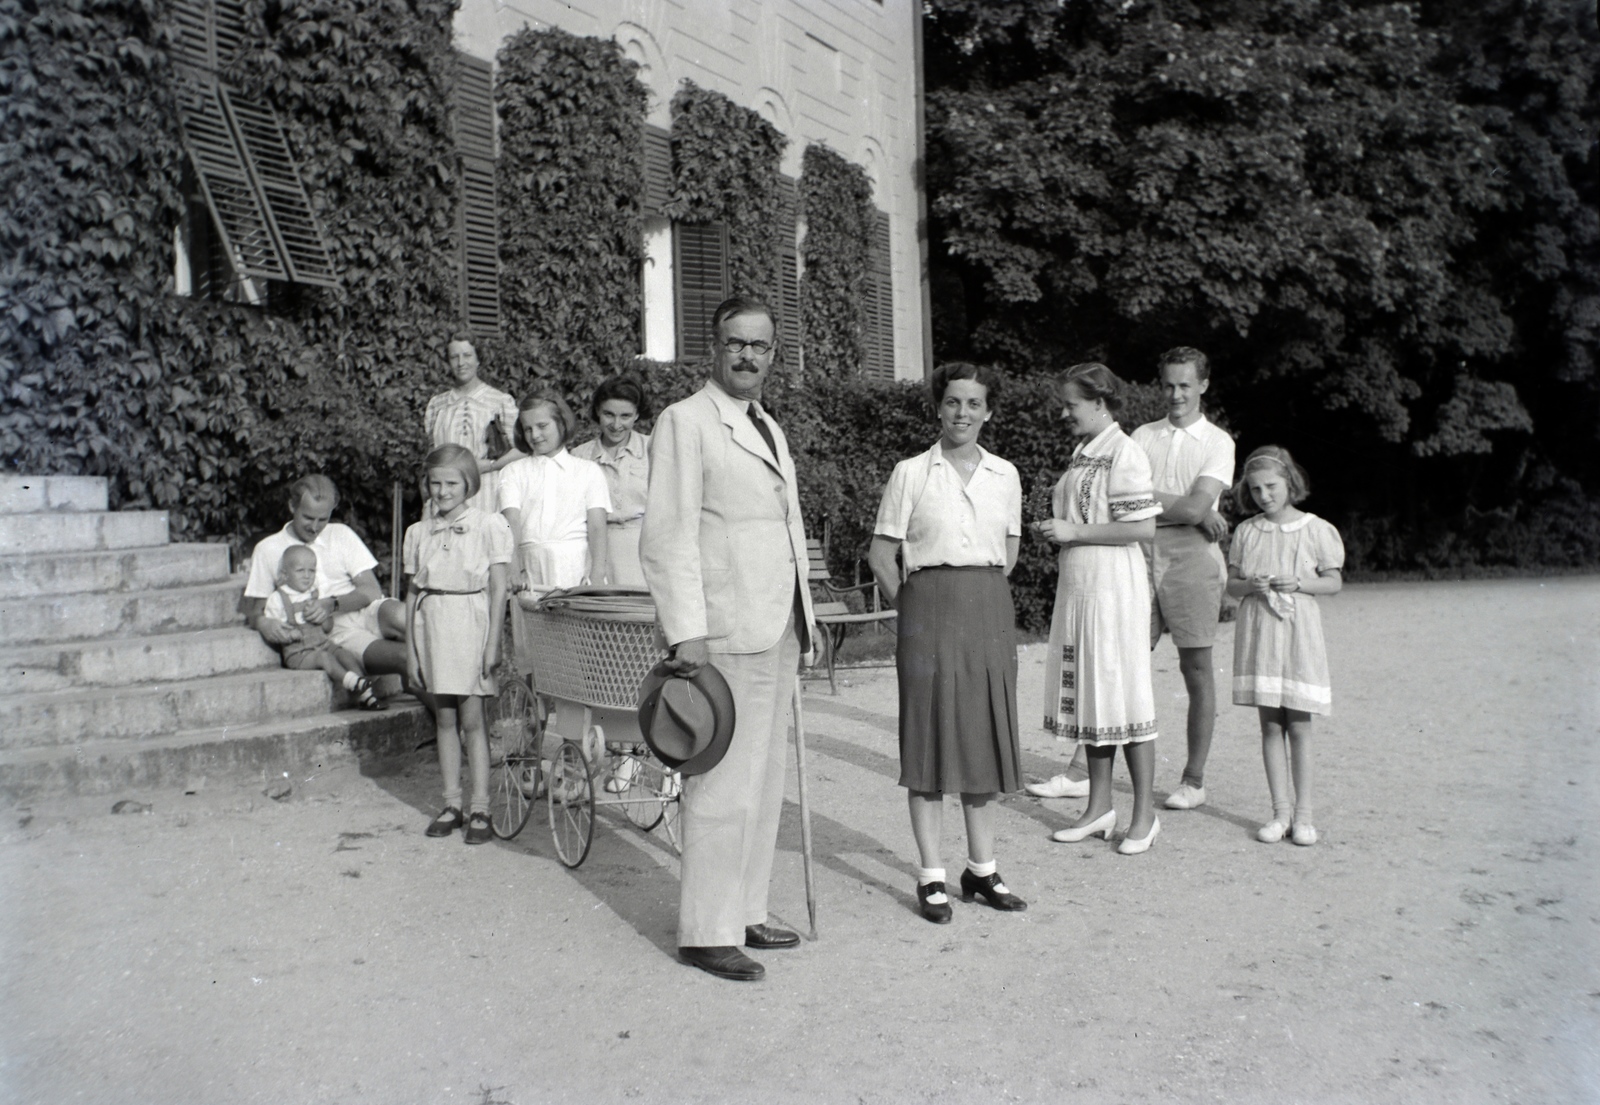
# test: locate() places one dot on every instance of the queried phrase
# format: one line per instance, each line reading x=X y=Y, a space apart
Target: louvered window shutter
x=657 y=170
x=878 y=296
x=787 y=299
x=478 y=222
x=241 y=156
x=700 y=269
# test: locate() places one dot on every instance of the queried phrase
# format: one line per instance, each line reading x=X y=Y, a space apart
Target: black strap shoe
x=972 y=886
x=724 y=962
x=937 y=912
x=448 y=821
x=769 y=936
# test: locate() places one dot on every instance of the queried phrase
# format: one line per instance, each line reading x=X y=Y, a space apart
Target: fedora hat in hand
x=686 y=722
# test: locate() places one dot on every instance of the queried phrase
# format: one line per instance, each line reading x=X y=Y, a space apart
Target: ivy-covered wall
x=725 y=168
x=570 y=179
x=836 y=199
x=201 y=407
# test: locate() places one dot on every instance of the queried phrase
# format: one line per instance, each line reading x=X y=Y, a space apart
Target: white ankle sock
x=925 y=875
x=351 y=680
x=982 y=870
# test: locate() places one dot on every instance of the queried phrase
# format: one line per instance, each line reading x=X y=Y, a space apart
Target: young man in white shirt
x=1191 y=459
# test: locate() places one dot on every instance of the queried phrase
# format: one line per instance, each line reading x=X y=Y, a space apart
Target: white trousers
x=729 y=816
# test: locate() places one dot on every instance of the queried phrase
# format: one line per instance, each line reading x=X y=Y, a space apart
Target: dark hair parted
x=987 y=375
x=563 y=412
x=1185 y=354
x=318 y=487
x=1095 y=381
x=1272 y=458
x=459 y=458
x=625 y=386
x=741 y=305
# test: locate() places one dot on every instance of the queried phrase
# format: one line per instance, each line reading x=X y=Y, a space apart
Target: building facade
x=841 y=72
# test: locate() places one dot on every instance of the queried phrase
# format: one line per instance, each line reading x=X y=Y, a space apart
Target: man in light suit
x=724 y=554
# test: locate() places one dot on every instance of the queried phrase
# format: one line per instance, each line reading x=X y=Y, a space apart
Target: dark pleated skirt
x=957 y=659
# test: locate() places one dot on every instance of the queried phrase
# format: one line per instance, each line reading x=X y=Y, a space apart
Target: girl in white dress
x=470 y=414
x=556 y=503
x=1097 y=678
x=1278 y=562
x=455 y=607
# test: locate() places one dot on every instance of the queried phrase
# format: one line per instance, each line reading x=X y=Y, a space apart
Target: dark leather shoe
x=724 y=962
x=766 y=936
x=972 y=886
x=937 y=912
x=448 y=821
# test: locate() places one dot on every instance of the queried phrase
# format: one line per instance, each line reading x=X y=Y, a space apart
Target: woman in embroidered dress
x=624 y=455
x=463 y=416
x=954 y=516
x=1097 y=678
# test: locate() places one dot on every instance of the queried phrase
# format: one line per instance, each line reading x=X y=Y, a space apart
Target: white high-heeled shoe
x=1132 y=847
x=1100 y=826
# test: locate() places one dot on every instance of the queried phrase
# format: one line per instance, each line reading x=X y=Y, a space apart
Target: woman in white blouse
x=1097 y=675
x=470 y=414
x=623 y=453
x=954 y=516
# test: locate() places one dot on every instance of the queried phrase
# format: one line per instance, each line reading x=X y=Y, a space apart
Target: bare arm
x=1103 y=533
x=519 y=578
x=497 y=616
x=1194 y=508
x=504 y=459
x=881 y=559
x=599 y=552
x=1329 y=581
x=272 y=630
x=413 y=660
x=1013 y=547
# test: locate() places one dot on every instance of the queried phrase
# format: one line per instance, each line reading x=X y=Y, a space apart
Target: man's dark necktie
x=766 y=434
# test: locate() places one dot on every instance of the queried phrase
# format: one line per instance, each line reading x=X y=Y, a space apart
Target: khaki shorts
x=1187 y=580
x=357 y=630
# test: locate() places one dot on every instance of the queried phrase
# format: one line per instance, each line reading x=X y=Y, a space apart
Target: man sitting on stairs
x=350 y=607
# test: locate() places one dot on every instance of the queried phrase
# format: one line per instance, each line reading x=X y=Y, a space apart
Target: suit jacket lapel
x=736 y=416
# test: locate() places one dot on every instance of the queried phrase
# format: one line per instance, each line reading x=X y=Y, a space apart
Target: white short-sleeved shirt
x=554 y=494
x=341 y=556
x=941 y=521
x=284 y=604
x=1178 y=457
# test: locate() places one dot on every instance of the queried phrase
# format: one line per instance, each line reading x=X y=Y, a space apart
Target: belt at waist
x=426 y=591
x=625 y=523
x=959 y=568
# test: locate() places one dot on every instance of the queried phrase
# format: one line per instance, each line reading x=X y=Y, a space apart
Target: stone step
x=297 y=746
x=71 y=531
x=52 y=618
x=123 y=661
x=23 y=494
x=154 y=709
x=29 y=575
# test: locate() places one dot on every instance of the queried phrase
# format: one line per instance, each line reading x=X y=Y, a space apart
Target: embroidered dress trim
x=1095 y=466
x=1121 y=508
x=1144 y=730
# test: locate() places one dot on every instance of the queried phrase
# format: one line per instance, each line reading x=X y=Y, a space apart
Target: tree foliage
x=1370 y=215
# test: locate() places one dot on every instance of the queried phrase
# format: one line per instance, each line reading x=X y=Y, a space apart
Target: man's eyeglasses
x=734 y=347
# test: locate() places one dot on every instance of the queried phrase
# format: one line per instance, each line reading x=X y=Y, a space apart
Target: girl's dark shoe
x=479 y=831
x=367 y=696
x=937 y=912
x=972 y=887
x=448 y=821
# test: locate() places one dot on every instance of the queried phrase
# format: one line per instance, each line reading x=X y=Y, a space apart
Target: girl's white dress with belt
x=1097 y=674
x=627 y=479
x=1279 y=658
x=452 y=418
x=452 y=629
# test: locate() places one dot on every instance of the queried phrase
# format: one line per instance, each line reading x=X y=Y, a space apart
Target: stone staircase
x=123 y=660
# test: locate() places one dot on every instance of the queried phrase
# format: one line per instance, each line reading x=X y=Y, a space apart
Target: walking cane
x=805 y=806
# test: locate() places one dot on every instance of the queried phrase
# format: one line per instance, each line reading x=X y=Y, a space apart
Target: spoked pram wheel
x=643 y=779
x=571 y=803
x=513 y=759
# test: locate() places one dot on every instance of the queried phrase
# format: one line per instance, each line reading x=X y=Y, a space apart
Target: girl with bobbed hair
x=623 y=454
x=556 y=503
x=1097 y=678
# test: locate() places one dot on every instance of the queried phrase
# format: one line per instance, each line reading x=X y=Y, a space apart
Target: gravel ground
x=1438 y=945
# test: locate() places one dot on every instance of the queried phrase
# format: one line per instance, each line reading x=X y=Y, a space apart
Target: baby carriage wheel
x=513 y=759
x=571 y=804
